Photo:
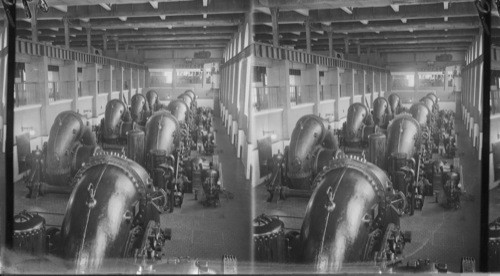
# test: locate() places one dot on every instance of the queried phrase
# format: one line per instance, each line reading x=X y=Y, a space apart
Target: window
x=259 y=74
x=430 y=79
x=160 y=77
x=211 y=69
x=189 y=76
x=294 y=72
x=25 y=93
x=403 y=80
x=321 y=87
x=495 y=92
x=294 y=87
x=294 y=95
x=53 y=82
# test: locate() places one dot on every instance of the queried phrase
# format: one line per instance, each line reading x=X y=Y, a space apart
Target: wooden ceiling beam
x=412 y=50
x=136 y=23
x=155 y=38
x=328 y=4
x=421 y=45
x=373 y=14
x=403 y=49
x=188 y=47
x=140 y=32
x=391 y=45
x=416 y=25
x=144 y=10
x=398 y=41
x=365 y=36
x=134 y=43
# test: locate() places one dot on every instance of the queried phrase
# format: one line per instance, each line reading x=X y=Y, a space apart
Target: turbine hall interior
x=259 y=136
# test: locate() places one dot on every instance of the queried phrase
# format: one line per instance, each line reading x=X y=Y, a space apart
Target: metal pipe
x=65 y=134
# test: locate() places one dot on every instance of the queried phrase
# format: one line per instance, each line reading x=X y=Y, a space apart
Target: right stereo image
x=370 y=137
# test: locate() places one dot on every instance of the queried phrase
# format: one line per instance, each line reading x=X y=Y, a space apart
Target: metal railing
x=327 y=91
x=29 y=47
x=60 y=90
x=281 y=53
x=27 y=93
x=301 y=94
x=87 y=87
x=104 y=86
x=268 y=98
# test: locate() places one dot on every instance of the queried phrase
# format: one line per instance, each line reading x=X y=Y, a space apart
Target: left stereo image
x=121 y=164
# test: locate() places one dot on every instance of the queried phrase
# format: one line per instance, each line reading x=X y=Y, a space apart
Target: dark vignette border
x=485 y=153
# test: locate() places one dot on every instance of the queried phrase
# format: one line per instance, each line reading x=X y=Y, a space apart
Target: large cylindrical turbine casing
x=179 y=109
x=421 y=113
x=161 y=132
x=309 y=133
x=153 y=100
x=377 y=150
x=428 y=102
x=191 y=94
x=187 y=99
x=394 y=103
x=403 y=134
x=66 y=134
x=381 y=112
x=433 y=97
x=139 y=108
x=114 y=116
x=356 y=115
x=109 y=199
x=334 y=231
x=135 y=146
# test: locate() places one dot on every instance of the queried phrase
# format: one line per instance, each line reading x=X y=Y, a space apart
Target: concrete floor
x=197 y=231
x=438 y=234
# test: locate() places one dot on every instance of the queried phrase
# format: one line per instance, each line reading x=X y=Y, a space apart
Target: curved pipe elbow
x=115 y=114
x=381 y=112
x=341 y=212
x=308 y=134
x=112 y=193
x=153 y=100
x=139 y=109
x=428 y=102
x=394 y=103
x=67 y=132
x=187 y=99
x=356 y=119
x=161 y=132
x=179 y=109
x=403 y=135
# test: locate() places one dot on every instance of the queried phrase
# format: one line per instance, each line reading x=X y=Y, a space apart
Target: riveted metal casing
x=29 y=233
x=109 y=199
x=349 y=202
x=394 y=103
x=382 y=113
